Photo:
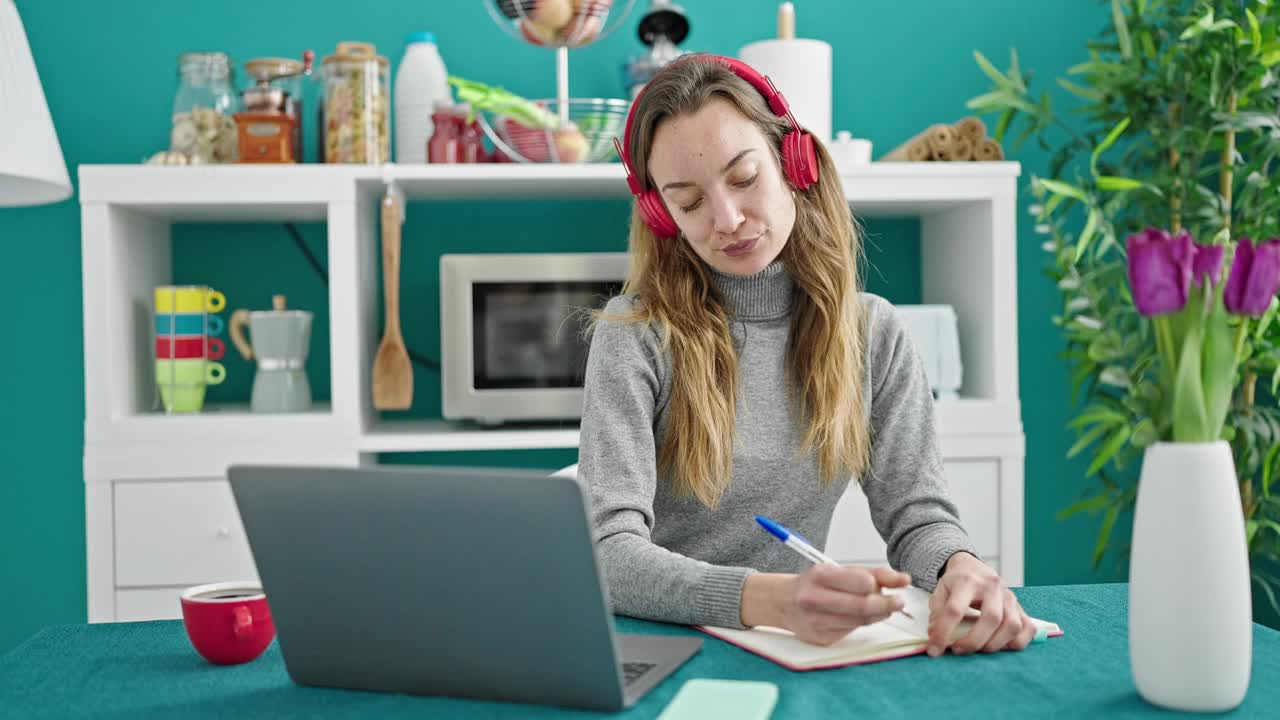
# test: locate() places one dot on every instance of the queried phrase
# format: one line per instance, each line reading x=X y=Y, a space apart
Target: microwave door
x=529 y=345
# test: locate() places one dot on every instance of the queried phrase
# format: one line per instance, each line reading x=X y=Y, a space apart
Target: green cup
x=182 y=382
x=182 y=398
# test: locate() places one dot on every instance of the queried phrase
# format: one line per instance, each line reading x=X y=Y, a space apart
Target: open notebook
x=894 y=637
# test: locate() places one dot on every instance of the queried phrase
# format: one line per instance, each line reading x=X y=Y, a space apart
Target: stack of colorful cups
x=187 y=345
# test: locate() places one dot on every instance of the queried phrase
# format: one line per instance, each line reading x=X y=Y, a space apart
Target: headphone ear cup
x=655 y=214
x=800 y=159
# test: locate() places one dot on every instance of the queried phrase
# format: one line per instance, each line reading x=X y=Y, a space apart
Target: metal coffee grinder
x=281 y=341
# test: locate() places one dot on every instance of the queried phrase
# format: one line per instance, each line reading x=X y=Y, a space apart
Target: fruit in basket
x=593 y=7
x=537 y=34
x=551 y=14
x=551 y=23
x=558 y=23
x=571 y=144
x=596 y=8
x=533 y=131
x=530 y=143
x=587 y=22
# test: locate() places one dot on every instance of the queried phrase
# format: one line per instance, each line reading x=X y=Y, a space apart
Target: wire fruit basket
x=560 y=25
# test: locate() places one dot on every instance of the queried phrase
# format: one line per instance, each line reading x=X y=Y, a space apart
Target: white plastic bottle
x=421 y=81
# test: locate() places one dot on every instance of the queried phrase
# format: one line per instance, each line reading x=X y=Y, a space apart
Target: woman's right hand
x=827 y=602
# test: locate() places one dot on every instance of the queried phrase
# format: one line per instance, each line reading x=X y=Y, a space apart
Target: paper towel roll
x=801 y=69
x=940 y=137
x=988 y=150
x=914 y=149
x=972 y=128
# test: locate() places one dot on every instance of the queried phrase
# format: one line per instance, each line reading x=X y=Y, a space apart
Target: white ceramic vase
x=1190 y=609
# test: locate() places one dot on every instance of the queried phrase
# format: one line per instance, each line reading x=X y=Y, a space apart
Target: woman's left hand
x=967 y=583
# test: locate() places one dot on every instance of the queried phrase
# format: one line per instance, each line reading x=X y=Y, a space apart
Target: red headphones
x=799 y=161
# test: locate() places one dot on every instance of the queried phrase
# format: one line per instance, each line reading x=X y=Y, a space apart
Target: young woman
x=742 y=372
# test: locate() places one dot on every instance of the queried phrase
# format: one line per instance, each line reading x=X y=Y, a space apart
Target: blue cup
x=188 y=324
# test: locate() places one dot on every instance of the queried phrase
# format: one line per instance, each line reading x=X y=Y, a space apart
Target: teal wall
x=109 y=73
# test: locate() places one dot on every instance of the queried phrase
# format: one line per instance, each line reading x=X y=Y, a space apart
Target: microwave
x=511 y=332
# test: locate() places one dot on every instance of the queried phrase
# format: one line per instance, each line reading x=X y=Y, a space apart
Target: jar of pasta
x=355 y=115
x=203 y=126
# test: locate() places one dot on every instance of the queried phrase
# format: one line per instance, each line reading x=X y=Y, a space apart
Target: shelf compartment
x=223 y=422
x=132 y=252
x=223 y=193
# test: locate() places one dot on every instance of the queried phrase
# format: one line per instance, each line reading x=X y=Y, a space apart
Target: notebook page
x=870 y=642
x=916 y=602
x=866 y=642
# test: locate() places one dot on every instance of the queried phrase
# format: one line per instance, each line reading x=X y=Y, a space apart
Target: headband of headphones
x=762 y=83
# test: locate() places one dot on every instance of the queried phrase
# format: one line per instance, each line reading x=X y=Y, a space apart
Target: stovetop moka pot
x=280 y=342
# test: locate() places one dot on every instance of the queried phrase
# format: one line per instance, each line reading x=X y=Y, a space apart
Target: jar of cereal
x=355 y=116
x=203 y=126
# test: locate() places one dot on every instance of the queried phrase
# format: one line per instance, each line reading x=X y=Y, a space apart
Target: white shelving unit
x=158 y=512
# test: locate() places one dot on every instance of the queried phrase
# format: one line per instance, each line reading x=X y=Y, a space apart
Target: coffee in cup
x=228 y=623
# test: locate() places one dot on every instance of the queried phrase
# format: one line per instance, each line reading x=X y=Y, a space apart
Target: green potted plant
x=1171 y=164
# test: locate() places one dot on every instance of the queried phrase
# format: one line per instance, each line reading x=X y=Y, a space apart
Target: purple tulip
x=1206 y=266
x=1254 y=279
x=1159 y=270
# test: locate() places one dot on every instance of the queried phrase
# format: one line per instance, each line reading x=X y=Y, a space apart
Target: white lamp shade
x=32 y=170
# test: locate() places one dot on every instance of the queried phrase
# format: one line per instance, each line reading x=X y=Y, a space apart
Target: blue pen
x=800 y=545
x=795 y=542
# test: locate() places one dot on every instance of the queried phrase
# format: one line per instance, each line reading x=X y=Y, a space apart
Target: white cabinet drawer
x=179 y=533
x=138 y=604
x=975 y=488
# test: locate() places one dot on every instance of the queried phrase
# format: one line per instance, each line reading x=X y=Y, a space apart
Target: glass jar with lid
x=355 y=121
x=203 y=125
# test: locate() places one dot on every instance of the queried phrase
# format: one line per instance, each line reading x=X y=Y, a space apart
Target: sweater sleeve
x=617 y=463
x=906 y=488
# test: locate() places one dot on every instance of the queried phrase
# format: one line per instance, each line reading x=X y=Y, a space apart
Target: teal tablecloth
x=145 y=670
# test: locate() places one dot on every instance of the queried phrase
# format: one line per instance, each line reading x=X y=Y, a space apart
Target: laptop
x=465 y=582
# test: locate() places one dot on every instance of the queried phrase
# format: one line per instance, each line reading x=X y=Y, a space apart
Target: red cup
x=189 y=346
x=228 y=623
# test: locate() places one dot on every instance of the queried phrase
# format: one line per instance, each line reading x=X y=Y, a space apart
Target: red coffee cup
x=228 y=623
x=189 y=346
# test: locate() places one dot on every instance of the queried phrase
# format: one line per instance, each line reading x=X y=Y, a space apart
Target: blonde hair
x=676 y=294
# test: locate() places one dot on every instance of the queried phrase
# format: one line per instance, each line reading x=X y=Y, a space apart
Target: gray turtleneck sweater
x=670 y=558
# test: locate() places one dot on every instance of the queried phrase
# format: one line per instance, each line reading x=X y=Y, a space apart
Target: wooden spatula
x=392 y=373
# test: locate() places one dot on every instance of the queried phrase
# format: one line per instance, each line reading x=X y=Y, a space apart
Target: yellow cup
x=188 y=299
